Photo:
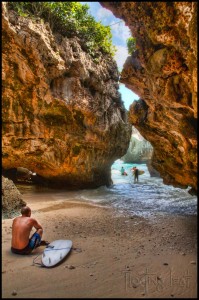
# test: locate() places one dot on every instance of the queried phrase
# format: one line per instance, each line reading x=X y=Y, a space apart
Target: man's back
x=22 y=243
x=21 y=229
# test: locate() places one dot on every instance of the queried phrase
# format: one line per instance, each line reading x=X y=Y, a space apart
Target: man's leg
x=35 y=239
x=40 y=232
x=38 y=241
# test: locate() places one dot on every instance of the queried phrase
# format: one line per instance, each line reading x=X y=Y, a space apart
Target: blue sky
x=120 y=34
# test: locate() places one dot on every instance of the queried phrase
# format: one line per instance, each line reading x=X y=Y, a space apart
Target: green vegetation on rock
x=131 y=45
x=70 y=19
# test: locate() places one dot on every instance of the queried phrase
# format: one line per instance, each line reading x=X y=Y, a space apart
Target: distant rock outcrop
x=163 y=72
x=11 y=199
x=139 y=151
x=62 y=114
x=152 y=171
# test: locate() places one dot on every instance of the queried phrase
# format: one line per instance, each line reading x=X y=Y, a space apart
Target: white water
x=150 y=197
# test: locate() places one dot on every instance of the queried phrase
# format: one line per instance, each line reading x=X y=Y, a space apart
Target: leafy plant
x=131 y=45
x=70 y=19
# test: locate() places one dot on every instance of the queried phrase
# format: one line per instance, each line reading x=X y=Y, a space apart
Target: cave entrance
x=19 y=174
x=139 y=154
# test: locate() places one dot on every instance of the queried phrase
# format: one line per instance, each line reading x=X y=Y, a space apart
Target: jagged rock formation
x=153 y=172
x=63 y=117
x=11 y=199
x=19 y=173
x=163 y=72
x=139 y=150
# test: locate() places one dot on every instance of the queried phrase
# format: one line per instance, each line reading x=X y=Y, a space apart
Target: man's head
x=26 y=211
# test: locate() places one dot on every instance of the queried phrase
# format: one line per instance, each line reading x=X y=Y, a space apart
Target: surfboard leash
x=37 y=263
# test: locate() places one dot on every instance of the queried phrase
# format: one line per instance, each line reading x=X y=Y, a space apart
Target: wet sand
x=113 y=256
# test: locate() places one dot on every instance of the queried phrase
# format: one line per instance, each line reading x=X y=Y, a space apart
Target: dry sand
x=113 y=256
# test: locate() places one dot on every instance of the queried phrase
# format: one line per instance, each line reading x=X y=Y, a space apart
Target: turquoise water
x=146 y=198
x=149 y=197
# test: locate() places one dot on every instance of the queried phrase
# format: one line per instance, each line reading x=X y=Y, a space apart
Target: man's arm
x=36 y=224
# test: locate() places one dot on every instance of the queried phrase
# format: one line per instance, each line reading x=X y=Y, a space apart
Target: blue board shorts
x=34 y=242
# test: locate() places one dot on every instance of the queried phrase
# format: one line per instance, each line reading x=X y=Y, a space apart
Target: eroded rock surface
x=153 y=172
x=139 y=150
x=12 y=200
x=63 y=117
x=163 y=72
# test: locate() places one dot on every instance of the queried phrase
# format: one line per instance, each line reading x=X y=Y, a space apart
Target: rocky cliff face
x=63 y=117
x=153 y=172
x=11 y=199
x=139 y=150
x=163 y=72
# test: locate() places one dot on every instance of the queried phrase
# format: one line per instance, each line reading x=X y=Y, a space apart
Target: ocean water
x=147 y=198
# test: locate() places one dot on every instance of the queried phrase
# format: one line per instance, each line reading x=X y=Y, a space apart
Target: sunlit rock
x=12 y=200
x=63 y=117
x=163 y=72
x=139 y=151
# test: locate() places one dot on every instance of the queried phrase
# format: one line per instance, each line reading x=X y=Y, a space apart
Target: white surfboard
x=55 y=252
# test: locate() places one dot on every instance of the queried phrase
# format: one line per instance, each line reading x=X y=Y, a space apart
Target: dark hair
x=25 y=210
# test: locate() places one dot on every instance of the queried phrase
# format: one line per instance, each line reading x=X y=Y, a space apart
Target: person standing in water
x=135 y=173
x=123 y=172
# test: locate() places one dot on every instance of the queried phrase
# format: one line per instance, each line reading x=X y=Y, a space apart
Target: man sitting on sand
x=21 y=228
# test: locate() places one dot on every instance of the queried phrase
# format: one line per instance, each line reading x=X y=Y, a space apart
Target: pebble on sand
x=70 y=267
x=14 y=293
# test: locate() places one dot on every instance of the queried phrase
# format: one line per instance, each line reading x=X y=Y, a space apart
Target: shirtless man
x=21 y=228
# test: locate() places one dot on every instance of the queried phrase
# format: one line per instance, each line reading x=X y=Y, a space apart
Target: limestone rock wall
x=153 y=172
x=63 y=117
x=12 y=200
x=139 y=150
x=163 y=72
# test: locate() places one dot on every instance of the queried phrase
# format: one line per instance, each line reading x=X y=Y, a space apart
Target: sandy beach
x=113 y=256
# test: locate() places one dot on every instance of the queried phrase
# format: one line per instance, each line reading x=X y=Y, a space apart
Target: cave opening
x=133 y=224
x=20 y=175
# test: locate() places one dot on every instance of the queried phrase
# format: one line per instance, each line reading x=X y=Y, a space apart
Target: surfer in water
x=135 y=173
x=21 y=228
x=123 y=172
